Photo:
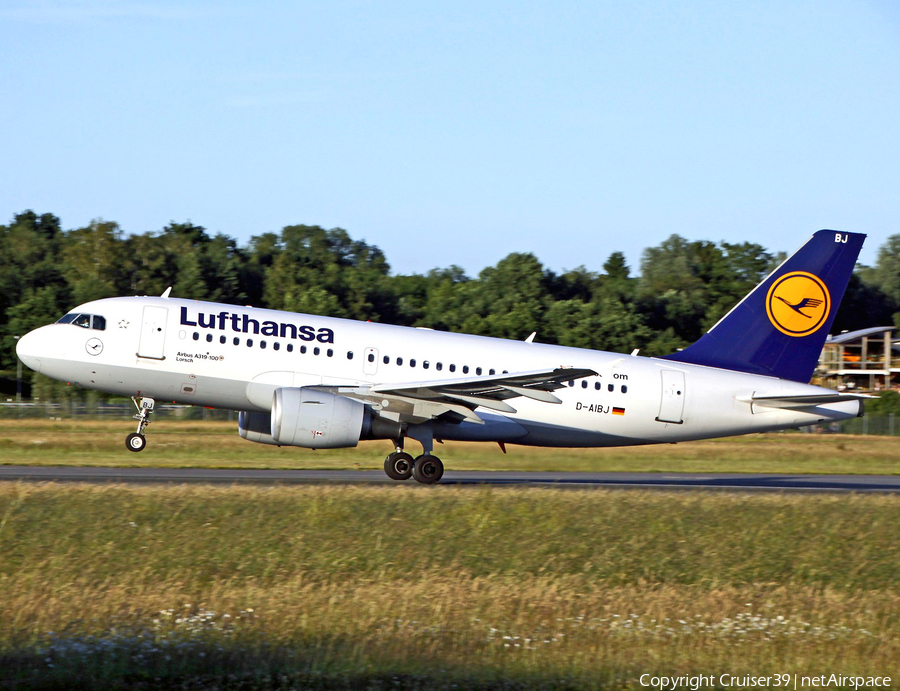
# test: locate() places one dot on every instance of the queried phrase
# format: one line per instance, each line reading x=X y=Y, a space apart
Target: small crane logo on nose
x=94 y=346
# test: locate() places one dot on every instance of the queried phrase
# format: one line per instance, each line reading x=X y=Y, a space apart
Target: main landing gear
x=136 y=441
x=426 y=468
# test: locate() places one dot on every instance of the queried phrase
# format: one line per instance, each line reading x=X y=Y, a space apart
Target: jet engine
x=314 y=420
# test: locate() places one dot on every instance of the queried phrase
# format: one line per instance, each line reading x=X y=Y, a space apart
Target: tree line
x=683 y=287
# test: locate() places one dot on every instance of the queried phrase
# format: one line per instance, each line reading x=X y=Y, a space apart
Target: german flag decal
x=618 y=411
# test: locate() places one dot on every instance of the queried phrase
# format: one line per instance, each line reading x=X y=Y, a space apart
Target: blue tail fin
x=780 y=327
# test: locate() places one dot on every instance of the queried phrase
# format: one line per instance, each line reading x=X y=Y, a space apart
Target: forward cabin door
x=671 y=405
x=153 y=333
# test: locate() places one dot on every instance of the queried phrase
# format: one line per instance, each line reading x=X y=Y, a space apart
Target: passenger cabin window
x=290 y=347
x=276 y=345
x=371 y=357
x=349 y=354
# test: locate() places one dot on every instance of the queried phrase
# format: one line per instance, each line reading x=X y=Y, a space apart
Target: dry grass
x=387 y=587
x=216 y=444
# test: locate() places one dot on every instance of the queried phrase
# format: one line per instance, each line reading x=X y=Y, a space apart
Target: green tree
x=882 y=282
x=508 y=300
x=92 y=260
x=29 y=262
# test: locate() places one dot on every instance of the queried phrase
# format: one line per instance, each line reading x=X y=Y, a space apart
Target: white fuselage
x=211 y=354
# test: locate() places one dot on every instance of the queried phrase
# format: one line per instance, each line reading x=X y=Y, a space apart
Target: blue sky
x=456 y=133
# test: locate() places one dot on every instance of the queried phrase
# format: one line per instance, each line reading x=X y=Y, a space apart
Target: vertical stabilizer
x=780 y=327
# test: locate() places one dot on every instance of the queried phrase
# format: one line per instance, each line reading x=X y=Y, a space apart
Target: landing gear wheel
x=135 y=442
x=398 y=466
x=428 y=469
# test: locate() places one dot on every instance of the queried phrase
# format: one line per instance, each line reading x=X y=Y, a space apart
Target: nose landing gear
x=136 y=441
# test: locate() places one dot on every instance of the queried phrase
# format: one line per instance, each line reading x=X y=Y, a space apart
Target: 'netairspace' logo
x=798 y=303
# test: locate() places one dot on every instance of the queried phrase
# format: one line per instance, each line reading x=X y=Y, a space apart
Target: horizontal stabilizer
x=803 y=400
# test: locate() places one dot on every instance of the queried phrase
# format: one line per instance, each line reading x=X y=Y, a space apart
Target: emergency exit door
x=671 y=404
x=370 y=360
x=153 y=333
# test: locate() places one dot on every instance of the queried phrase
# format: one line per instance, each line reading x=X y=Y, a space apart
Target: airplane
x=321 y=382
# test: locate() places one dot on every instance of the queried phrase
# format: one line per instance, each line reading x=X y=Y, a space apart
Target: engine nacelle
x=314 y=420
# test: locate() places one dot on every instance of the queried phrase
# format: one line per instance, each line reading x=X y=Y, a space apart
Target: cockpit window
x=86 y=321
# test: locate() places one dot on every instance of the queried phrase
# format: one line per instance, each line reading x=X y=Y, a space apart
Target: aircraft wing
x=423 y=400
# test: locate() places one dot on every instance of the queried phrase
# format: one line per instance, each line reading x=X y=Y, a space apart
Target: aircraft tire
x=398 y=466
x=135 y=442
x=428 y=469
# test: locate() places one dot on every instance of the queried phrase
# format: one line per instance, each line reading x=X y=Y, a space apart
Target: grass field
x=216 y=444
x=435 y=587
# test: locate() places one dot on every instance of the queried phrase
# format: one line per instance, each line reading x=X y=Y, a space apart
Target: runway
x=661 y=481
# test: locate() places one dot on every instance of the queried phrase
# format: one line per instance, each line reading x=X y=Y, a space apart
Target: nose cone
x=28 y=348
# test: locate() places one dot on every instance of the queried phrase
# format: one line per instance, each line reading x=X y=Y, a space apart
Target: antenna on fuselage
x=166 y=292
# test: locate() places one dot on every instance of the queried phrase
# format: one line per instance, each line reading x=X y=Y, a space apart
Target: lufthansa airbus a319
x=320 y=382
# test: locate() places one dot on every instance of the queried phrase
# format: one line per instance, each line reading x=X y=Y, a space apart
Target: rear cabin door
x=671 y=405
x=153 y=333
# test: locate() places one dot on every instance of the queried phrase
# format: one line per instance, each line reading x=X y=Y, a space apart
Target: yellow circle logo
x=798 y=303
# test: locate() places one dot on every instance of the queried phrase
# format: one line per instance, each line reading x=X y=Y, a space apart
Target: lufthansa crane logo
x=798 y=303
